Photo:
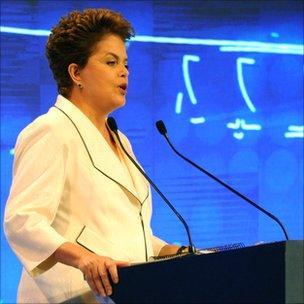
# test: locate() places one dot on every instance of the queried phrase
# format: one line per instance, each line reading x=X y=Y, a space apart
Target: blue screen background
x=227 y=79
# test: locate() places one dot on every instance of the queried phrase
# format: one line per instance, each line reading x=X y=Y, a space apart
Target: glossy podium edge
x=267 y=273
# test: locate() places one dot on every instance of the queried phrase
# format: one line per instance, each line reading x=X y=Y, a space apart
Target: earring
x=80 y=86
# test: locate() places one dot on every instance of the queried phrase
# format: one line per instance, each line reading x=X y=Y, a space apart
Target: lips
x=123 y=88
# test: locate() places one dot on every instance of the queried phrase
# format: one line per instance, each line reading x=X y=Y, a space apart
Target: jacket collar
x=101 y=153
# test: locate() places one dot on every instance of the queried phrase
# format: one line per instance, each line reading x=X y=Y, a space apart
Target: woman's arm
x=97 y=270
x=168 y=250
x=38 y=181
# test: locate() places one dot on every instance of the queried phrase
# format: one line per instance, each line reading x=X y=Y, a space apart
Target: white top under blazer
x=57 y=195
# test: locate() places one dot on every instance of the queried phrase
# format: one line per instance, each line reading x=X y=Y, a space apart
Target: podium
x=268 y=273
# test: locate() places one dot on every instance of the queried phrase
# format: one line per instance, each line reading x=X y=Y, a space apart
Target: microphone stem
x=191 y=246
x=228 y=187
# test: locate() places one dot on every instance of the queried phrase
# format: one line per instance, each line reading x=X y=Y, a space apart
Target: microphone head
x=161 y=127
x=112 y=124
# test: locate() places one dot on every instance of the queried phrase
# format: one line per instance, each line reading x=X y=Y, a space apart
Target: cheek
x=99 y=80
x=102 y=78
x=101 y=87
x=96 y=82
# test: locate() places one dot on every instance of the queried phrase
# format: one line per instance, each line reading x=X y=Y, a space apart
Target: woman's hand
x=168 y=250
x=99 y=271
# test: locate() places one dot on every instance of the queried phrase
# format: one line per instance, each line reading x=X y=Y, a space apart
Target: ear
x=74 y=73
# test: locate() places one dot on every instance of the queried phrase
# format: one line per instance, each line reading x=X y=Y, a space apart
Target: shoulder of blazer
x=51 y=126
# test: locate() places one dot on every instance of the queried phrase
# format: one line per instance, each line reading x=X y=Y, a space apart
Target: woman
x=78 y=208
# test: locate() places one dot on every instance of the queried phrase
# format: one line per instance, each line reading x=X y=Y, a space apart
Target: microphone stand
x=163 y=131
x=113 y=126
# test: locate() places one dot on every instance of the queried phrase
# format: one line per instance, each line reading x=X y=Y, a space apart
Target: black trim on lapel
x=116 y=180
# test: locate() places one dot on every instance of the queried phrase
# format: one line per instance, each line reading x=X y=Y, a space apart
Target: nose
x=124 y=72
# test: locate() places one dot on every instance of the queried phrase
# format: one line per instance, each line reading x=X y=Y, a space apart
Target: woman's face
x=105 y=76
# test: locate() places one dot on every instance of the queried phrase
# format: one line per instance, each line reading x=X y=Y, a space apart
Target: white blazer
x=68 y=185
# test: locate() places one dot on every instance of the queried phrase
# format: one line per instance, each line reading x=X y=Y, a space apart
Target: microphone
x=113 y=126
x=163 y=131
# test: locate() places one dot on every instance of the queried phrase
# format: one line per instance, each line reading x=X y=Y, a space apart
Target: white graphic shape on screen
x=192 y=97
x=240 y=123
x=294 y=131
x=240 y=76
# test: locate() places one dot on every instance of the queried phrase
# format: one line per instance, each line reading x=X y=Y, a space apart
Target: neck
x=95 y=114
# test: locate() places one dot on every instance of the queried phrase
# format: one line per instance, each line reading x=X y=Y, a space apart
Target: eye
x=127 y=66
x=111 y=62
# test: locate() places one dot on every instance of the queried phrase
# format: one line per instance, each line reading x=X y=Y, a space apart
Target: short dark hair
x=74 y=38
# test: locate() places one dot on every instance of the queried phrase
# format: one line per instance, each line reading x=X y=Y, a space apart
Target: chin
x=119 y=104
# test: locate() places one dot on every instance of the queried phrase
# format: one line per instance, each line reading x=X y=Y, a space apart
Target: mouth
x=123 y=88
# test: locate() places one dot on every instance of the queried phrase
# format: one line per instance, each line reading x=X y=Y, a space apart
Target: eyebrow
x=114 y=55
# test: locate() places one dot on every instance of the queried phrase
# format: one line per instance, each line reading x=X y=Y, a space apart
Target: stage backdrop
x=227 y=79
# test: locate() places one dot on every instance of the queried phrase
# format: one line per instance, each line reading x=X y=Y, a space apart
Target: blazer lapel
x=101 y=153
x=140 y=183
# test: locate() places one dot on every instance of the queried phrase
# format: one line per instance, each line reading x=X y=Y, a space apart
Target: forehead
x=111 y=44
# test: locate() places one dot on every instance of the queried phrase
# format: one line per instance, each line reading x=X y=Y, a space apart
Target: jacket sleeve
x=38 y=180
